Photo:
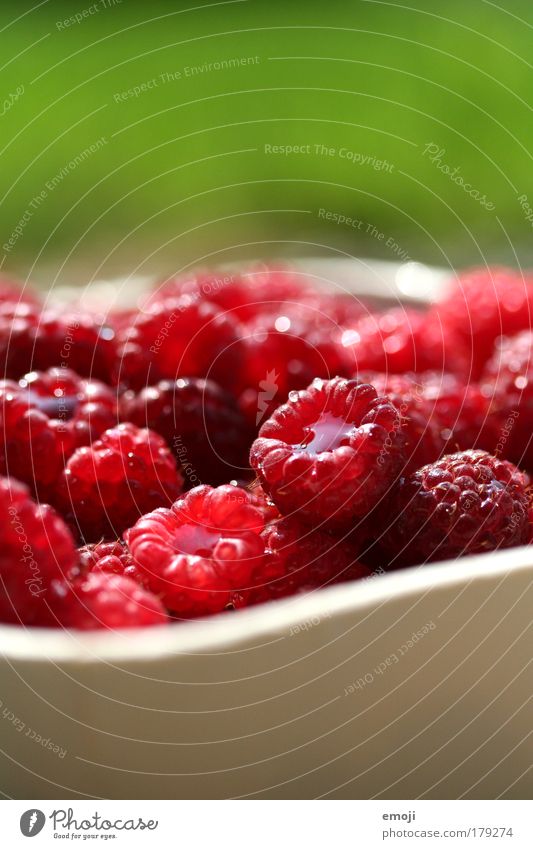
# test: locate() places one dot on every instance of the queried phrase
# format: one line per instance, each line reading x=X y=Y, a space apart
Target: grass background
x=182 y=177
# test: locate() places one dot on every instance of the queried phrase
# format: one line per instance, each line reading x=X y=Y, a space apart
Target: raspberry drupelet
x=465 y=503
x=105 y=487
x=197 y=554
x=331 y=453
x=200 y=422
x=36 y=548
x=44 y=417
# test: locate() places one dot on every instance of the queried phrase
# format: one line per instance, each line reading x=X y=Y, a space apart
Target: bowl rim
x=222 y=633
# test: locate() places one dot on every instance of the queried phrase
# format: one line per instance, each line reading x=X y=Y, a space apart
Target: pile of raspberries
x=243 y=437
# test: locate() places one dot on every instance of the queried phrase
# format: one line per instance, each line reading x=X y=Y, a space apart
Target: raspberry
x=113 y=557
x=421 y=429
x=403 y=340
x=31 y=340
x=200 y=422
x=180 y=337
x=102 y=600
x=44 y=418
x=483 y=304
x=508 y=381
x=104 y=488
x=36 y=548
x=299 y=560
x=286 y=350
x=245 y=295
x=18 y=326
x=463 y=411
x=201 y=551
x=466 y=503
x=331 y=453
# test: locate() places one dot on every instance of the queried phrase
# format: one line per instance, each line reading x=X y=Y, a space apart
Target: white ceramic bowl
x=413 y=684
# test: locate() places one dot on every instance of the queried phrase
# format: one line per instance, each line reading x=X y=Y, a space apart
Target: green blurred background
x=98 y=178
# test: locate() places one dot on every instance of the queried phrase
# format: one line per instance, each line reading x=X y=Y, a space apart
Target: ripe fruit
x=113 y=557
x=285 y=350
x=403 y=340
x=31 y=339
x=508 y=380
x=359 y=415
x=331 y=453
x=182 y=337
x=44 y=418
x=200 y=423
x=199 y=552
x=464 y=411
x=102 y=600
x=124 y=474
x=36 y=548
x=483 y=304
x=297 y=560
x=465 y=503
x=244 y=295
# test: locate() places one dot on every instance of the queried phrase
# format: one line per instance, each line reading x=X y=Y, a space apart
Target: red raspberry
x=299 y=560
x=202 y=550
x=403 y=340
x=199 y=421
x=36 y=547
x=102 y=600
x=44 y=418
x=245 y=295
x=18 y=326
x=483 y=304
x=124 y=474
x=463 y=411
x=466 y=503
x=113 y=557
x=508 y=381
x=286 y=350
x=421 y=429
x=331 y=453
x=180 y=337
x=31 y=340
